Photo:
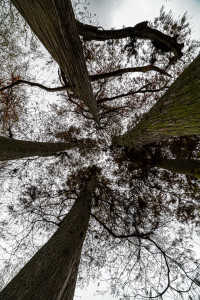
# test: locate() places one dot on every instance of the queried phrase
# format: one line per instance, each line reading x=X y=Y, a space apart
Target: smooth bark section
x=15 y=149
x=54 y=24
x=189 y=167
x=177 y=113
x=141 y=31
x=52 y=271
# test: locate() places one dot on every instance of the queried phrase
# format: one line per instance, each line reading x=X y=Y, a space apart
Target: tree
x=58 y=23
x=175 y=114
x=64 y=248
x=131 y=205
x=15 y=149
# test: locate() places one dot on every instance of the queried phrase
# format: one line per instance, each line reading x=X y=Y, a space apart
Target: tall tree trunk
x=54 y=24
x=52 y=272
x=177 y=113
x=189 y=167
x=15 y=149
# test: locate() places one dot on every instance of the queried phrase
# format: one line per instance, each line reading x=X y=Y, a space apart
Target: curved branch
x=21 y=81
x=141 y=31
x=92 y=78
x=119 y=72
x=139 y=91
x=166 y=256
x=120 y=236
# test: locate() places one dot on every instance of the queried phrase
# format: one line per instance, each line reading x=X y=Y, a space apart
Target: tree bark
x=52 y=271
x=140 y=30
x=189 y=167
x=54 y=24
x=15 y=149
x=177 y=113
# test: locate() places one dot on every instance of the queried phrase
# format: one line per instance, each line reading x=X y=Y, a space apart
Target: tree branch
x=54 y=24
x=139 y=91
x=94 y=77
x=21 y=81
x=119 y=72
x=141 y=31
x=121 y=236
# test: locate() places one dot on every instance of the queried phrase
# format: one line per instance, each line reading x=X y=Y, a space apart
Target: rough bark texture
x=177 y=113
x=52 y=272
x=15 y=149
x=54 y=24
x=141 y=31
x=189 y=167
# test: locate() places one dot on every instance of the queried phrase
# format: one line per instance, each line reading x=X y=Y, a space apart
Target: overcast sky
x=116 y=13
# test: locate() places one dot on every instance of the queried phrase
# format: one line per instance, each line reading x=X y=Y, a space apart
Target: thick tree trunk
x=54 y=24
x=140 y=30
x=15 y=149
x=177 y=113
x=52 y=272
x=189 y=167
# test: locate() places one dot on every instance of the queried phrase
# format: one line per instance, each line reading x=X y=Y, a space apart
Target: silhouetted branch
x=20 y=81
x=141 y=90
x=141 y=31
x=121 y=236
x=119 y=72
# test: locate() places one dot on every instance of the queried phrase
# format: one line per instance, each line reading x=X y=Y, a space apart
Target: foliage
x=143 y=217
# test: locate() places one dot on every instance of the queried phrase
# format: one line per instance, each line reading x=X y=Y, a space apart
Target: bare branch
x=120 y=236
x=141 y=90
x=119 y=72
x=54 y=24
x=48 y=89
x=141 y=31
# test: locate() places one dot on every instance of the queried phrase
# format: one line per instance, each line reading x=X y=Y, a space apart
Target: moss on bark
x=177 y=113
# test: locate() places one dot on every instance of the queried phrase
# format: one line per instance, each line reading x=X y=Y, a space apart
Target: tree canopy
x=99 y=153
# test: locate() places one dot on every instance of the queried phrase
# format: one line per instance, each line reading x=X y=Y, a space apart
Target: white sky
x=116 y=13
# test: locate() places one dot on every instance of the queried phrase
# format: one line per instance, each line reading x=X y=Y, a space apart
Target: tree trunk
x=189 y=167
x=15 y=149
x=54 y=24
x=52 y=271
x=177 y=113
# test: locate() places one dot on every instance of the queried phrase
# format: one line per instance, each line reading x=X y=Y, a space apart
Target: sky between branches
x=119 y=13
x=116 y=13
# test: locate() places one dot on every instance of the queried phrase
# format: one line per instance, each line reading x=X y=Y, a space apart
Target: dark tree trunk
x=52 y=272
x=189 y=167
x=177 y=113
x=54 y=24
x=15 y=149
x=140 y=30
